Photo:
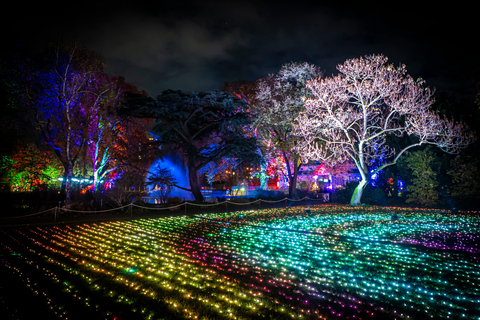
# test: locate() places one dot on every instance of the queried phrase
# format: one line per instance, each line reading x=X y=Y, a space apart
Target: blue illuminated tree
x=162 y=181
x=67 y=92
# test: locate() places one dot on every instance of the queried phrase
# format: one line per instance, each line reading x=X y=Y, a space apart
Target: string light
x=327 y=263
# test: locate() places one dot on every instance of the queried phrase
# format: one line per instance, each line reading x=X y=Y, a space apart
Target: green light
x=336 y=262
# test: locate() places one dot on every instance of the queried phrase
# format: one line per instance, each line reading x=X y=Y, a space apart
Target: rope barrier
x=28 y=215
x=298 y=199
x=269 y=201
x=94 y=211
x=226 y=202
x=164 y=208
x=245 y=203
x=206 y=205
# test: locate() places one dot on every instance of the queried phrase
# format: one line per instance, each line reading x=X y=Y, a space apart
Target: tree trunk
x=263 y=178
x=292 y=178
x=63 y=187
x=195 y=184
x=292 y=188
x=66 y=185
x=95 y=179
x=357 y=194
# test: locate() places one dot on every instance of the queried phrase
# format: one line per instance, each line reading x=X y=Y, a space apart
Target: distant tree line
x=64 y=118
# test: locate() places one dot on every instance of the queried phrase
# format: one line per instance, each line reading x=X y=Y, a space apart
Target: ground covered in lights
x=323 y=262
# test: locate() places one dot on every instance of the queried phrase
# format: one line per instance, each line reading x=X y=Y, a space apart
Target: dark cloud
x=199 y=46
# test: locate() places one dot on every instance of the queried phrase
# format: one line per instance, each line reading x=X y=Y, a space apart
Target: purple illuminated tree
x=67 y=94
x=372 y=110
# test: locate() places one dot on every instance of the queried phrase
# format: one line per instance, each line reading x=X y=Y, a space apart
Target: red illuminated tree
x=113 y=138
x=29 y=169
x=371 y=113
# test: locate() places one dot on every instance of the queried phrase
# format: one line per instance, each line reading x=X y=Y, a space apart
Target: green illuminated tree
x=29 y=169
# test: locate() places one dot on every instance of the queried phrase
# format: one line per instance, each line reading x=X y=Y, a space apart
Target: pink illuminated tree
x=278 y=101
x=371 y=113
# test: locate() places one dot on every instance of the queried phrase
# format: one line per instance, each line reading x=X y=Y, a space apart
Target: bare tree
x=278 y=101
x=68 y=90
x=112 y=137
x=124 y=191
x=354 y=115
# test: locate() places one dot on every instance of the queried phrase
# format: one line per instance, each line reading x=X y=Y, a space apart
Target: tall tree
x=110 y=136
x=199 y=126
x=67 y=92
x=278 y=101
x=357 y=114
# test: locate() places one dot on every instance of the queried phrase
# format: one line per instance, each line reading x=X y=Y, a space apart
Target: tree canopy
x=74 y=105
x=199 y=126
x=66 y=91
x=354 y=115
x=278 y=100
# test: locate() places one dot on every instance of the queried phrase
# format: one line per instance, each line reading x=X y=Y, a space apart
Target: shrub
x=344 y=195
x=174 y=200
x=375 y=195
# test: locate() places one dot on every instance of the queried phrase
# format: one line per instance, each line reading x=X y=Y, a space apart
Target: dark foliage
x=200 y=127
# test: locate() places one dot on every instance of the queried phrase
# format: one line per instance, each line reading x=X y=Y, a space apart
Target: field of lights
x=323 y=262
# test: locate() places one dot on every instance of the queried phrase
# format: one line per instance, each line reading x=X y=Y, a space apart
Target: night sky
x=190 y=45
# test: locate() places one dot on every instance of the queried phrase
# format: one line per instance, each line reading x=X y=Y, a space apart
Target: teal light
x=332 y=263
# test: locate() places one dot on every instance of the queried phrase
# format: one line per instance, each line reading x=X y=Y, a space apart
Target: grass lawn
x=323 y=262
